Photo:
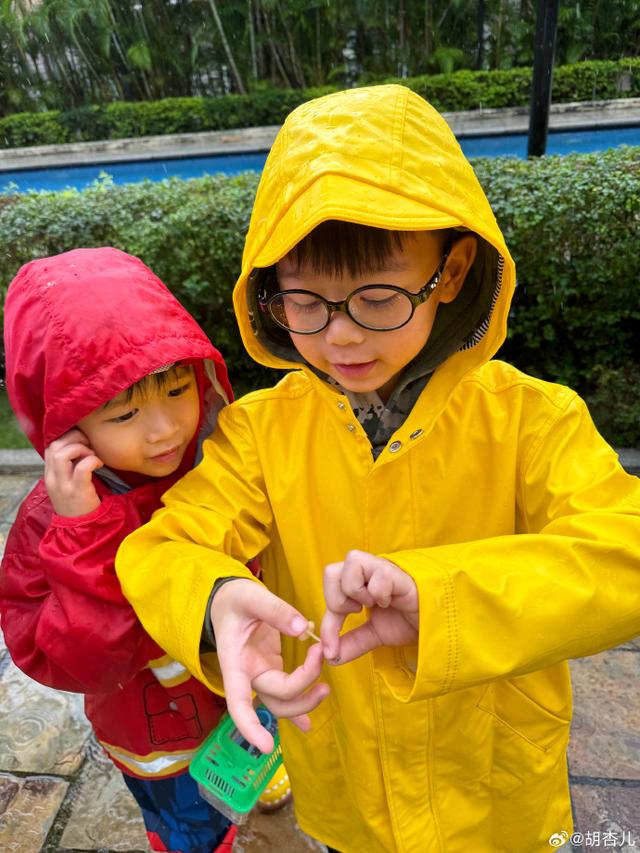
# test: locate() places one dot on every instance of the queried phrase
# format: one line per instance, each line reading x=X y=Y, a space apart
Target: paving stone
x=614 y=810
x=13 y=488
x=28 y=807
x=276 y=831
x=5 y=527
x=605 y=735
x=41 y=730
x=103 y=812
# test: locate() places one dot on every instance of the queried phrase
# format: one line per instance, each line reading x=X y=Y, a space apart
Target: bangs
x=155 y=383
x=334 y=247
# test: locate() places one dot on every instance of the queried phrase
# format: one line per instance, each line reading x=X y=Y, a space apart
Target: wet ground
x=58 y=794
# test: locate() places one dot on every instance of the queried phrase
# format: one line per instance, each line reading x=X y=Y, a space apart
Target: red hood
x=81 y=327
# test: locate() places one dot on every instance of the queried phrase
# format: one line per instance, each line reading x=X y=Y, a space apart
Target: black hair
x=152 y=383
x=334 y=246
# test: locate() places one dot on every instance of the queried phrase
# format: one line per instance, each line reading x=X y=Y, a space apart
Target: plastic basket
x=232 y=773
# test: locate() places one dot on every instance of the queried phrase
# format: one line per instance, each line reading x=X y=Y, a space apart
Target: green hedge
x=585 y=81
x=461 y=90
x=571 y=223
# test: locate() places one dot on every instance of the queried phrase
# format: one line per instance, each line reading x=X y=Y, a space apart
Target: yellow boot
x=277 y=793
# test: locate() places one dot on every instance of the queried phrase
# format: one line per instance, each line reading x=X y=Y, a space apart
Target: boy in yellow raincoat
x=466 y=520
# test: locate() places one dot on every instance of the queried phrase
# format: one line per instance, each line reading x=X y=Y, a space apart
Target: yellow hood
x=378 y=156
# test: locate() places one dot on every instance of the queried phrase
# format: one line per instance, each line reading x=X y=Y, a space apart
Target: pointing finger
x=330 y=628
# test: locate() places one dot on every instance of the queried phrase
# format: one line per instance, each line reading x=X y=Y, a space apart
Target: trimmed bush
x=571 y=222
x=25 y=129
x=461 y=90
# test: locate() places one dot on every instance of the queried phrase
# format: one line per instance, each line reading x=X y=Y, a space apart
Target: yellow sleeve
x=567 y=587
x=213 y=521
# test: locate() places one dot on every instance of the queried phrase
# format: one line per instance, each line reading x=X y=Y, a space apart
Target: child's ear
x=461 y=256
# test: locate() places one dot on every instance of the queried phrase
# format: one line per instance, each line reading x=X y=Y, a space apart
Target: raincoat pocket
x=305 y=751
x=528 y=782
x=528 y=739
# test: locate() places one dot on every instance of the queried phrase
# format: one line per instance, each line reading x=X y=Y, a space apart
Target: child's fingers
x=85 y=468
x=353 y=644
x=338 y=589
x=375 y=581
x=293 y=695
x=302 y=722
x=354 y=577
x=381 y=587
x=393 y=587
x=296 y=710
x=237 y=689
x=61 y=460
x=330 y=628
x=73 y=436
x=240 y=705
x=73 y=444
x=256 y=602
x=287 y=687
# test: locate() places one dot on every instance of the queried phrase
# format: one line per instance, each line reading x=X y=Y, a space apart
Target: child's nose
x=161 y=426
x=343 y=330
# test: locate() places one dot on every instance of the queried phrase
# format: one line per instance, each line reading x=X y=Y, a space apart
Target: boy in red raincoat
x=116 y=385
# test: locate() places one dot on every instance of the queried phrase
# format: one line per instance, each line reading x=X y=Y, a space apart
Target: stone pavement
x=58 y=794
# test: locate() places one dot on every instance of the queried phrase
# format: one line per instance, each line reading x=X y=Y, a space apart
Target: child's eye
x=178 y=392
x=381 y=302
x=122 y=418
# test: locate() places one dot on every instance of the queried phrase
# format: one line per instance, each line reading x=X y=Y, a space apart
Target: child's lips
x=168 y=456
x=354 y=369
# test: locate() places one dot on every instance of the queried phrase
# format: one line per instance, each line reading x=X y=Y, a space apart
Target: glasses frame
x=342 y=305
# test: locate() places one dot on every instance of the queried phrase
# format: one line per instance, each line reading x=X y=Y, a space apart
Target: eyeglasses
x=378 y=307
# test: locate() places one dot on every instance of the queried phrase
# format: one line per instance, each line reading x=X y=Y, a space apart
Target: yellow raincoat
x=496 y=494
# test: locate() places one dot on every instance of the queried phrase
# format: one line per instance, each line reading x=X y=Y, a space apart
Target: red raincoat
x=80 y=328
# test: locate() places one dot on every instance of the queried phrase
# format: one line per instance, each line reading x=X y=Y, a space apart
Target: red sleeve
x=65 y=620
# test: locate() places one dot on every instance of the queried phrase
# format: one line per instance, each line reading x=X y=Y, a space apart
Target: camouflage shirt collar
x=380 y=421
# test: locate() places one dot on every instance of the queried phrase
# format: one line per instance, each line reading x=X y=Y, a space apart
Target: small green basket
x=232 y=773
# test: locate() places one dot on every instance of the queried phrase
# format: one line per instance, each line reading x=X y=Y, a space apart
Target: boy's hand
x=69 y=463
x=390 y=594
x=247 y=622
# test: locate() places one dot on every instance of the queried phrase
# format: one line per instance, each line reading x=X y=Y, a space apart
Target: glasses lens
x=380 y=307
x=299 y=312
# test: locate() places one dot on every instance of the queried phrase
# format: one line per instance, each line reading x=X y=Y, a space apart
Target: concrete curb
x=20 y=462
x=29 y=462
x=579 y=115
x=630 y=459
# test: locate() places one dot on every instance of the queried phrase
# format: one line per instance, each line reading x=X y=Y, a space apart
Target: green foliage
x=11 y=435
x=23 y=129
x=189 y=232
x=470 y=90
x=64 y=54
x=571 y=224
x=604 y=79
x=461 y=90
x=614 y=402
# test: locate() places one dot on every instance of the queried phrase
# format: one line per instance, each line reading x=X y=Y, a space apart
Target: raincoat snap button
x=351 y=427
x=341 y=405
x=416 y=433
x=395 y=446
